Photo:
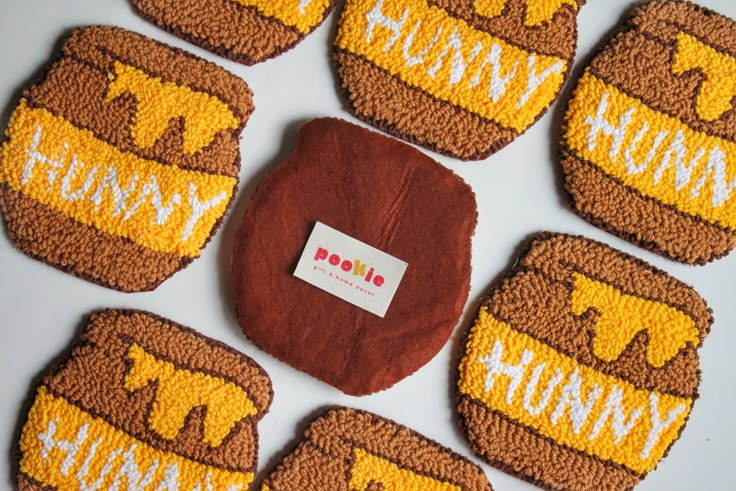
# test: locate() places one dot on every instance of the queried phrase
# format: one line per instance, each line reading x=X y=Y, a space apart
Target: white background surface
x=518 y=191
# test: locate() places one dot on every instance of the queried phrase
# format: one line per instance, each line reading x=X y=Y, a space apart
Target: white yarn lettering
x=106 y=469
x=495 y=367
x=535 y=81
x=303 y=4
x=717 y=167
x=498 y=83
x=621 y=425
x=531 y=388
x=66 y=181
x=376 y=18
x=198 y=209
x=129 y=469
x=409 y=41
x=682 y=173
x=631 y=166
x=571 y=397
x=658 y=426
x=71 y=448
x=35 y=156
x=119 y=196
x=162 y=212
x=600 y=124
x=459 y=64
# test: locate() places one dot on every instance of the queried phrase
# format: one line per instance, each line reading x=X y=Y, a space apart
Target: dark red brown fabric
x=381 y=192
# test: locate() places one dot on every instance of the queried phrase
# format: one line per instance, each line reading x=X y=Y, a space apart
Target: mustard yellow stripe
x=368 y=468
x=302 y=14
x=63 y=447
x=656 y=154
x=161 y=207
x=444 y=56
x=538 y=398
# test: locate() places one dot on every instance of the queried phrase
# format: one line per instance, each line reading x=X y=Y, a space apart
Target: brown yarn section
x=325 y=458
x=75 y=88
x=519 y=451
x=383 y=193
x=93 y=380
x=383 y=100
x=381 y=96
x=557 y=37
x=638 y=60
x=535 y=299
x=226 y=28
x=82 y=250
x=660 y=228
x=25 y=483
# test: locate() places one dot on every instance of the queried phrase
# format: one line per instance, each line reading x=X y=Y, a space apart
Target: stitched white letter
x=658 y=426
x=571 y=396
x=66 y=181
x=495 y=367
x=634 y=168
x=35 y=156
x=497 y=86
x=376 y=18
x=717 y=166
x=534 y=81
x=132 y=473
x=303 y=4
x=419 y=58
x=198 y=209
x=71 y=448
x=531 y=388
x=106 y=469
x=162 y=212
x=459 y=65
x=600 y=124
x=119 y=196
x=170 y=481
x=621 y=425
x=678 y=151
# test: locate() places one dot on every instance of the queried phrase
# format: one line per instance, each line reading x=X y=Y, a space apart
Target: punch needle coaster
x=245 y=31
x=121 y=161
x=397 y=202
x=582 y=368
x=144 y=403
x=649 y=145
x=347 y=449
x=463 y=78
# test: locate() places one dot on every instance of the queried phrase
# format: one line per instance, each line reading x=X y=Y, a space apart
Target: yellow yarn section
x=161 y=207
x=719 y=87
x=653 y=153
x=301 y=14
x=159 y=102
x=566 y=401
x=622 y=316
x=537 y=11
x=444 y=56
x=180 y=391
x=368 y=468
x=66 y=448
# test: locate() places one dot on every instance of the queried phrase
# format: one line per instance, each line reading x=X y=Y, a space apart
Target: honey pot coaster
x=346 y=449
x=144 y=403
x=246 y=31
x=649 y=144
x=581 y=369
x=463 y=78
x=393 y=199
x=121 y=161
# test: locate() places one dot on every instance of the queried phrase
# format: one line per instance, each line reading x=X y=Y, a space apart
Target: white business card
x=350 y=269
